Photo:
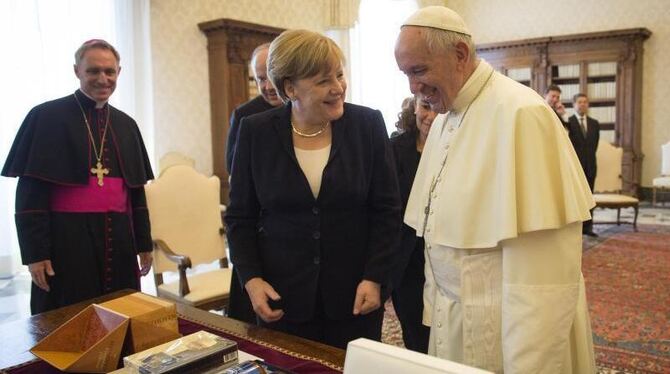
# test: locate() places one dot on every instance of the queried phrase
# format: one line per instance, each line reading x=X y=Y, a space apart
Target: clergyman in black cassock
x=81 y=213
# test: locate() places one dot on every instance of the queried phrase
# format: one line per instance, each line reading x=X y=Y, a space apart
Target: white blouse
x=312 y=162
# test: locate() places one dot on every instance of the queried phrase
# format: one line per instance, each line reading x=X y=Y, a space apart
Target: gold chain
x=98 y=170
x=312 y=135
x=98 y=155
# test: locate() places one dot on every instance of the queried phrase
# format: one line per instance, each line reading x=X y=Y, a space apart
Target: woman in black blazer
x=314 y=212
x=414 y=122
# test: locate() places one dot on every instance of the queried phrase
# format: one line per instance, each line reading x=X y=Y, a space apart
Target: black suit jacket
x=406 y=161
x=253 y=106
x=585 y=147
x=309 y=248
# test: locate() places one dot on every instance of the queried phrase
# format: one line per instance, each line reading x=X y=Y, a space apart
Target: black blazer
x=585 y=147
x=406 y=161
x=310 y=248
x=253 y=106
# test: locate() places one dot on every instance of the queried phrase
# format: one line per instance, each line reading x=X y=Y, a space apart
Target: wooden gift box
x=90 y=342
x=93 y=340
x=152 y=321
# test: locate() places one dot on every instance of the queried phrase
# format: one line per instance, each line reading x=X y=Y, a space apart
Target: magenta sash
x=110 y=197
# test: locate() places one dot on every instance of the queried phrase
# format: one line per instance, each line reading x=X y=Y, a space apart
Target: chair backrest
x=608 y=159
x=184 y=212
x=665 y=159
x=174 y=158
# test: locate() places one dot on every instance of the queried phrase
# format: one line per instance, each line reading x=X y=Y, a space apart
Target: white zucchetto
x=438 y=17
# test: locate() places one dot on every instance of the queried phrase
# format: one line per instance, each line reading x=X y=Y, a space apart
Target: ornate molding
x=236 y=54
x=631 y=52
x=235 y=26
x=543 y=52
x=634 y=34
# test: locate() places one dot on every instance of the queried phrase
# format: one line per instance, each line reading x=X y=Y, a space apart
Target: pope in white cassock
x=499 y=198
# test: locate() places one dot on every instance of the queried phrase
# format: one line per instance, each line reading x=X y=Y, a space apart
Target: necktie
x=582 y=124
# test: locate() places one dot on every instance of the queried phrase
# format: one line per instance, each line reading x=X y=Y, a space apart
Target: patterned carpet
x=391 y=331
x=628 y=288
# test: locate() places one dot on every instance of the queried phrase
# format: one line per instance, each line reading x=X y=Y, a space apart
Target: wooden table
x=16 y=338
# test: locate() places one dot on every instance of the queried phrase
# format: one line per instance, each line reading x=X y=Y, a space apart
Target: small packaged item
x=195 y=353
x=254 y=367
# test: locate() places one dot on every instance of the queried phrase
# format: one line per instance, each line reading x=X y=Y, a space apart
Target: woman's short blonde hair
x=299 y=54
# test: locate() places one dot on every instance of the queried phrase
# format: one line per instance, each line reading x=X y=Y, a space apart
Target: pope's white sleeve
x=541 y=278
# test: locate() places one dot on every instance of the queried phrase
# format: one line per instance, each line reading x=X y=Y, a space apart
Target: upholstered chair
x=662 y=184
x=186 y=226
x=608 y=184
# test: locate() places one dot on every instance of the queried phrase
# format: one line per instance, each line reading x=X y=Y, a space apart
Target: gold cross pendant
x=99 y=171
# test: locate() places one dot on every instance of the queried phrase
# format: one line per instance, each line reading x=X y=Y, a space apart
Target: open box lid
x=91 y=341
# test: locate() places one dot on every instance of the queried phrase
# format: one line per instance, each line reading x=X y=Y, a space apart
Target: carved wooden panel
x=229 y=45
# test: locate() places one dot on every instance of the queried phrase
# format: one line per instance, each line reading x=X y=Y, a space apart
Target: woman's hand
x=259 y=291
x=368 y=297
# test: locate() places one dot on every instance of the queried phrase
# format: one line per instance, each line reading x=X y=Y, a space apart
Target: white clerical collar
x=473 y=85
x=98 y=104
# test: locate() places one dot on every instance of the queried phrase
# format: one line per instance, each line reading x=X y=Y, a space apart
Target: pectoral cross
x=99 y=171
x=426 y=210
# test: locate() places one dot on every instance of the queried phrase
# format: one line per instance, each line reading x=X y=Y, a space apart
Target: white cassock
x=500 y=197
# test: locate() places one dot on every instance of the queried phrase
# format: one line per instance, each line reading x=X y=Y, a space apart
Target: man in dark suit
x=240 y=307
x=553 y=97
x=584 y=134
x=267 y=99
